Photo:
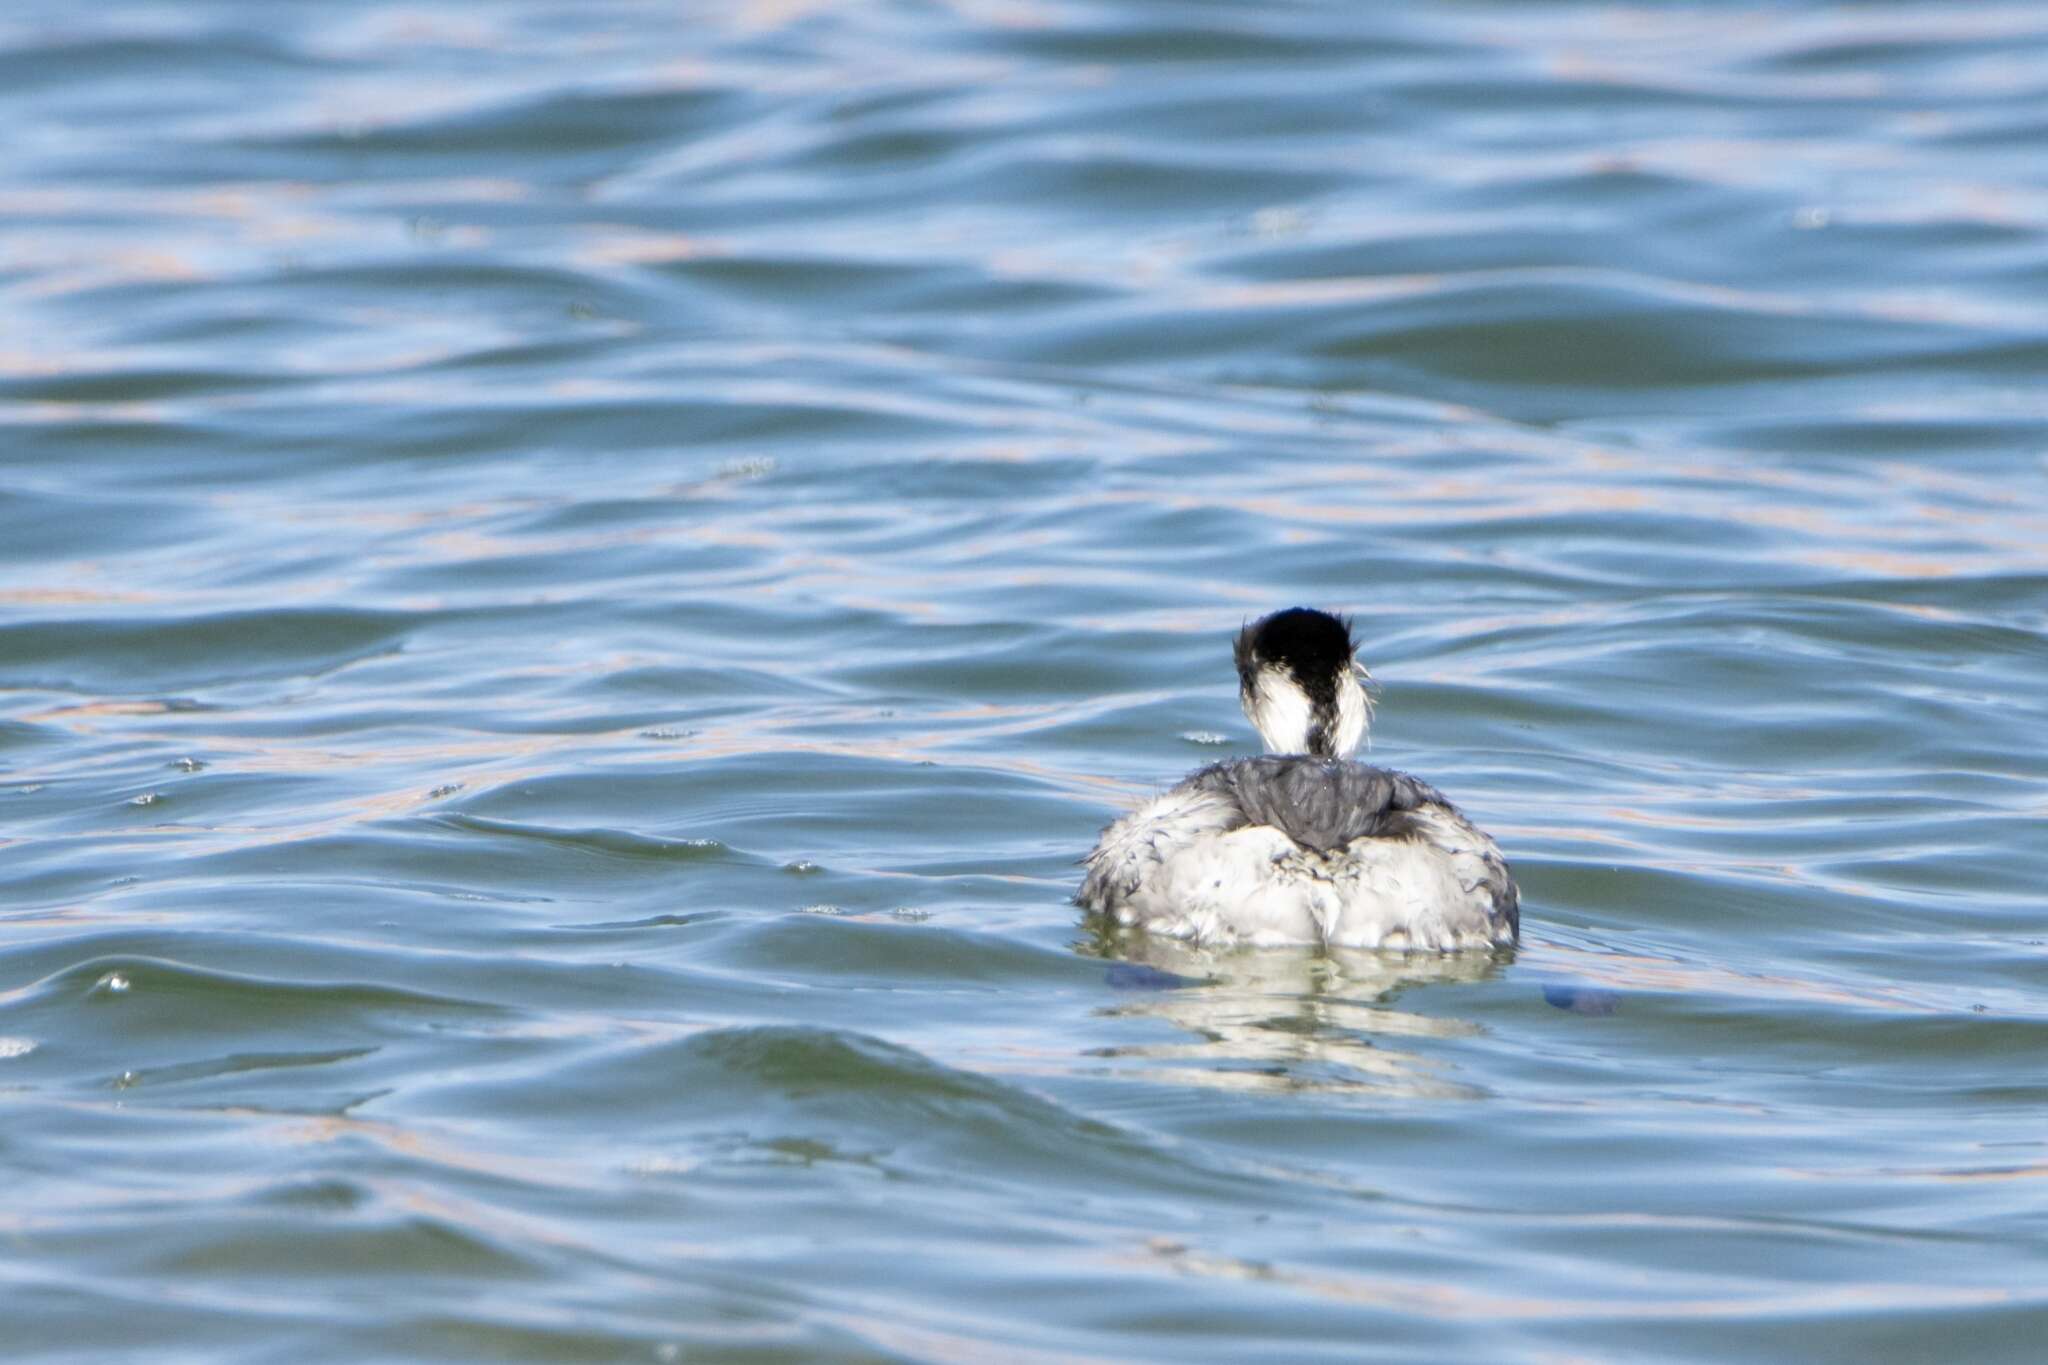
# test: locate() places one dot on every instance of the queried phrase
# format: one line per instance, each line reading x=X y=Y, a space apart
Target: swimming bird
x=1304 y=845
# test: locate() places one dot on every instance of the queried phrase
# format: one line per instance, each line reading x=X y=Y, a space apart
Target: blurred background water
x=574 y=578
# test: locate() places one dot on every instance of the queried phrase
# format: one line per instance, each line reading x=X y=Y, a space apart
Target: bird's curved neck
x=1326 y=722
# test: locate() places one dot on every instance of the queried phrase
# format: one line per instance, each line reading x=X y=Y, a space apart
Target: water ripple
x=574 y=580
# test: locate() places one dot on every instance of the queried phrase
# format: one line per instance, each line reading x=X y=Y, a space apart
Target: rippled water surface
x=574 y=579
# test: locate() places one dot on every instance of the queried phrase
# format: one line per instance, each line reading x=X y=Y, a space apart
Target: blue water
x=574 y=579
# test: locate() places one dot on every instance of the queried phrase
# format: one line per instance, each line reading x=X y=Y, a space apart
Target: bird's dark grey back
x=1319 y=802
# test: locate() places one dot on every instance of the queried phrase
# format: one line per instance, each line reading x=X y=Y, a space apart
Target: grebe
x=1303 y=845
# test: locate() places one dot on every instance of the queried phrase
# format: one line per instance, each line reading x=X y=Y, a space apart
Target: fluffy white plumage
x=1279 y=708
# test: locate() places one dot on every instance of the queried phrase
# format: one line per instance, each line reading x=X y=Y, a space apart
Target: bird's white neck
x=1291 y=722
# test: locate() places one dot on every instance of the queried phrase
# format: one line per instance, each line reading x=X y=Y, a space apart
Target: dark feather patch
x=1313 y=646
x=1320 y=803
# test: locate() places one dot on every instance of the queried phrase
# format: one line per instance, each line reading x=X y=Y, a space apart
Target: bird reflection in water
x=1283 y=1019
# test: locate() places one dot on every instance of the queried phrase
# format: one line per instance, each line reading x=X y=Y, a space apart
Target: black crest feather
x=1314 y=647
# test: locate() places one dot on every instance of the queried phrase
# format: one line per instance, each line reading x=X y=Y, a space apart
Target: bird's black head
x=1298 y=679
